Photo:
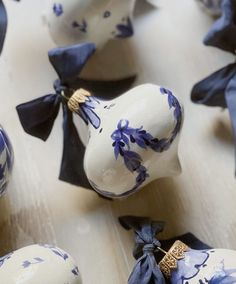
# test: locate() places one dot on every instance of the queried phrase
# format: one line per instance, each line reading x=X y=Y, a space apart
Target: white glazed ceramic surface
x=75 y=21
x=131 y=140
x=216 y=266
x=39 y=264
x=213 y=7
x=6 y=160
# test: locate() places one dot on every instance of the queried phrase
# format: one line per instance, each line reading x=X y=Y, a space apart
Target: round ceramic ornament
x=75 y=21
x=37 y=264
x=6 y=160
x=213 y=7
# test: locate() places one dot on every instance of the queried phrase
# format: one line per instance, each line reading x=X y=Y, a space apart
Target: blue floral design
x=28 y=263
x=5 y=168
x=87 y=113
x=57 y=251
x=75 y=271
x=81 y=26
x=57 y=9
x=188 y=270
x=124 y=135
x=223 y=276
x=125 y=29
x=4 y=258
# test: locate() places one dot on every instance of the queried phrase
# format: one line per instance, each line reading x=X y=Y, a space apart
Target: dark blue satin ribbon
x=219 y=89
x=3 y=24
x=146 y=269
x=37 y=117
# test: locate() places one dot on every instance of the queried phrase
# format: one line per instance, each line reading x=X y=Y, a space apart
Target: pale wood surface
x=166 y=50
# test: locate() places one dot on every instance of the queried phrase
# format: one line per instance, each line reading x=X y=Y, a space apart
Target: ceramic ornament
x=218 y=89
x=134 y=136
x=38 y=264
x=6 y=160
x=76 y=21
x=173 y=261
x=213 y=7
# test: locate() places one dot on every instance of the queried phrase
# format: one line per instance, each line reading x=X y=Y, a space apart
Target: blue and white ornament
x=38 y=264
x=6 y=160
x=130 y=140
x=75 y=21
x=183 y=265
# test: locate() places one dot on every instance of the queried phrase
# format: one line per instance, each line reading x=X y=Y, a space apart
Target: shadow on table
x=28 y=226
x=223 y=131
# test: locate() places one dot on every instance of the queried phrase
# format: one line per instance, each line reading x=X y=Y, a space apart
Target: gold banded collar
x=170 y=260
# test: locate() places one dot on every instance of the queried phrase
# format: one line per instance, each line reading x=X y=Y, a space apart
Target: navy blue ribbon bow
x=37 y=117
x=3 y=24
x=147 y=270
x=219 y=89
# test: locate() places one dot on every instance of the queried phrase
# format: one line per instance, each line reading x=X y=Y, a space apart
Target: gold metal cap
x=170 y=260
x=79 y=97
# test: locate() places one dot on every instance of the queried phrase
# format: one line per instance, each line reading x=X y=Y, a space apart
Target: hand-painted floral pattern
x=81 y=26
x=58 y=9
x=28 y=263
x=87 y=112
x=6 y=160
x=75 y=271
x=124 y=135
x=57 y=251
x=222 y=275
x=125 y=29
x=4 y=258
x=190 y=266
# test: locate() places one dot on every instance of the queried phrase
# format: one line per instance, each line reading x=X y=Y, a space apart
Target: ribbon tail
x=72 y=170
x=69 y=61
x=230 y=96
x=3 y=24
x=105 y=89
x=146 y=271
x=211 y=90
x=37 y=117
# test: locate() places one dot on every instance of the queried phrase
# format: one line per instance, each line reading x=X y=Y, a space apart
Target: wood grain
x=165 y=50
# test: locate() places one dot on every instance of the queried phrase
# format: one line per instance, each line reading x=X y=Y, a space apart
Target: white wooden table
x=166 y=50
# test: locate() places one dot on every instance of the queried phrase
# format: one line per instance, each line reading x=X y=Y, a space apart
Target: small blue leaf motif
x=222 y=275
x=5 y=167
x=125 y=29
x=81 y=26
x=57 y=251
x=87 y=112
x=75 y=271
x=57 y=9
x=4 y=258
x=28 y=263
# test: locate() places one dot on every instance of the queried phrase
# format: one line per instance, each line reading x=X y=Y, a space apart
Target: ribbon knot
x=149 y=248
x=146 y=270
